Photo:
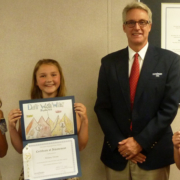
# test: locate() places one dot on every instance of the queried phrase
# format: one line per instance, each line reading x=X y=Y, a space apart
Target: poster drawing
x=48 y=119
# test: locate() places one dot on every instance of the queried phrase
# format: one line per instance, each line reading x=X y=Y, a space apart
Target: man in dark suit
x=137 y=100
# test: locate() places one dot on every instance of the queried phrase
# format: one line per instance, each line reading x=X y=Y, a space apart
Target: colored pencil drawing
x=48 y=128
x=48 y=119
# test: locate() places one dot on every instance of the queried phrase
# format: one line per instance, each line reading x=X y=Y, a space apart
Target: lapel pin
x=157 y=74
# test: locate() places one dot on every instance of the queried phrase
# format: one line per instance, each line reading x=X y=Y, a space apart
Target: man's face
x=137 y=35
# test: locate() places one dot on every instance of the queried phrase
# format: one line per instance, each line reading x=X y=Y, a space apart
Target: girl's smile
x=48 y=80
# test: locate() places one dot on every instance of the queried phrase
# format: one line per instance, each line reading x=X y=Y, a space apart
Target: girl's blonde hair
x=36 y=93
x=0 y=103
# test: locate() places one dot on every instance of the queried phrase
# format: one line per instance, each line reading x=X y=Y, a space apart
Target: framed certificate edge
x=164 y=7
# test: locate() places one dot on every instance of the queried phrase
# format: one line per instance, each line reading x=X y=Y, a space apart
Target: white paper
x=48 y=118
x=170 y=27
x=50 y=159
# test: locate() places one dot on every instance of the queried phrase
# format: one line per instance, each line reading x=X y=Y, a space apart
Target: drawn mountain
x=65 y=121
x=57 y=131
x=31 y=129
x=44 y=128
x=50 y=123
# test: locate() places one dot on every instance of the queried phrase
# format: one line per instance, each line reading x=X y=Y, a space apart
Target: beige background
x=77 y=33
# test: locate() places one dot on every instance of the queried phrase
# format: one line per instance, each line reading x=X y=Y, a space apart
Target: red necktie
x=133 y=80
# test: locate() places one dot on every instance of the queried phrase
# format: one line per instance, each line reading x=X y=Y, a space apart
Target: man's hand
x=139 y=158
x=129 y=148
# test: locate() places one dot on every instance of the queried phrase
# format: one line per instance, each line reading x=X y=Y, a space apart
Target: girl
x=3 y=142
x=48 y=82
x=176 y=142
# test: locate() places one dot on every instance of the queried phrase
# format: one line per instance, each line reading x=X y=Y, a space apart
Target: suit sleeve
x=166 y=113
x=103 y=109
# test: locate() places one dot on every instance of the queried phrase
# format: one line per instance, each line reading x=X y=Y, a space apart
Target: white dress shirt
x=141 y=57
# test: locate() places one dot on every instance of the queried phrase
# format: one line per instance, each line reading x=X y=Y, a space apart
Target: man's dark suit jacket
x=155 y=106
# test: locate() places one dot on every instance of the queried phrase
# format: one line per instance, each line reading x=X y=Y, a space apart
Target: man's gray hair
x=136 y=5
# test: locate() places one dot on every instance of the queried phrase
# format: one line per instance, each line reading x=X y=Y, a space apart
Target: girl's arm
x=16 y=137
x=176 y=142
x=82 y=125
x=3 y=142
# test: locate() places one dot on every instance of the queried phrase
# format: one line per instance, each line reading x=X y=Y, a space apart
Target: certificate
x=50 y=159
x=50 y=141
x=170 y=27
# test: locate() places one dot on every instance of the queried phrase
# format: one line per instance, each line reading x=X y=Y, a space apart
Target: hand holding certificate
x=51 y=143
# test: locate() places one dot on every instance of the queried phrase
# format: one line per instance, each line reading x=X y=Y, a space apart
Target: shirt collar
x=141 y=53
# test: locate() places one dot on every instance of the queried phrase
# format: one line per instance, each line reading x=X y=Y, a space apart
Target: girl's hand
x=80 y=109
x=13 y=117
x=176 y=139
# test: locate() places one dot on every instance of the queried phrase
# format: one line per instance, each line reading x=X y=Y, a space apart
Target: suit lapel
x=150 y=62
x=122 y=65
